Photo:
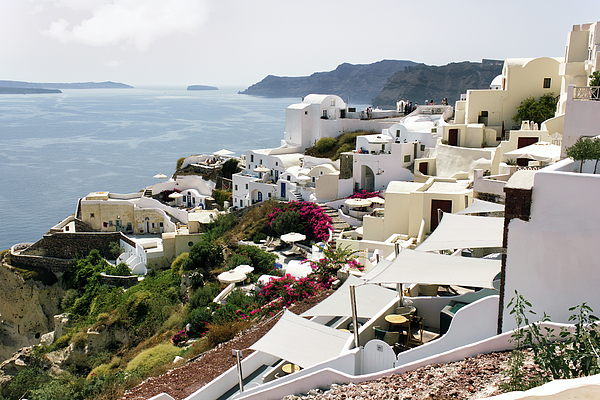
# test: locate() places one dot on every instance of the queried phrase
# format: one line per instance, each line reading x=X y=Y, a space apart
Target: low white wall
x=229 y=379
x=587 y=387
x=146 y=202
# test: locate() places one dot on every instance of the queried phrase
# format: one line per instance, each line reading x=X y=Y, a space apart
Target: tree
x=538 y=111
x=585 y=149
x=595 y=78
x=230 y=167
x=204 y=256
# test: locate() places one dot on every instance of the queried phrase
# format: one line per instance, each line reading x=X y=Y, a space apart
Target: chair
x=379 y=333
x=405 y=310
x=391 y=338
x=418 y=322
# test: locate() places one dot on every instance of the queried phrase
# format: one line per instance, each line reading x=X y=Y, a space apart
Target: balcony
x=586 y=93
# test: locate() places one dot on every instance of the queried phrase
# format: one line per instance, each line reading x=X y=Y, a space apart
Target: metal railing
x=586 y=93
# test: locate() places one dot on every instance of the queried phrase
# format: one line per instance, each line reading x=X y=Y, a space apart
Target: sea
x=57 y=148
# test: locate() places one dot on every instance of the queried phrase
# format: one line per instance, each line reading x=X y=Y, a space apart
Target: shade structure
x=411 y=266
x=358 y=202
x=261 y=169
x=175 y=195
x=223 y=152
x=481 y=206
x=541 y=151
x=381 y=265
x=464 y=232
x=303 y=179
x=246 y=269
x=160 y=176
x=292 y=237
x=231 y=276
x=370 y=299
x=302 y=342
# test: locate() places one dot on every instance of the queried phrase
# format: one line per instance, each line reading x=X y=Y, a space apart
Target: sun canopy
x=370 y=299
x=481 y=206
x=540 y=151
x=302 y=342
x=412 y=266
x=464 y=232
x=223 y=152
x=381 y=265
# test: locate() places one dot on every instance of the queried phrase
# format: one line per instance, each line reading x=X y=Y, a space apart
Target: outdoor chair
x=389 y=337
x=405 y=310
x=417 y=322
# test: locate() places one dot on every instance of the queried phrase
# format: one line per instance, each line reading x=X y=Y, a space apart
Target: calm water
x=57 y=148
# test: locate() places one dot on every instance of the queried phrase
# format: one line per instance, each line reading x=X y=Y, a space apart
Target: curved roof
x=319 y=98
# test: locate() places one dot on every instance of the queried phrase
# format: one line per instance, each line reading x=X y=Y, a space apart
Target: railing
x=532 y=168
x=587 y=93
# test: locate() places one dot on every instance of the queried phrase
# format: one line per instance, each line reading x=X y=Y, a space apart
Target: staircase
x=298 y=195
x=337 y=223
x=148 y=192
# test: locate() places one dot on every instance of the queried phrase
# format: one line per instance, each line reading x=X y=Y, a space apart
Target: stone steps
x=337 y=223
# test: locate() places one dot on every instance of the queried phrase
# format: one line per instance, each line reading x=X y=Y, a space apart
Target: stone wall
x=122 y=281
x=71 y=245
x=346 y=166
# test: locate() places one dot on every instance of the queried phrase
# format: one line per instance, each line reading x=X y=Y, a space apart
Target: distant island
x=202 y=87
x=13 y=90
x=5 y=85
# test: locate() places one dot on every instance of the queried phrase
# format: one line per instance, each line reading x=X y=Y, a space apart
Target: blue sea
x=57 y=148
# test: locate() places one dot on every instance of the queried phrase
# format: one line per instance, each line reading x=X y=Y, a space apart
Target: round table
x=289 y=368
x=396 y=319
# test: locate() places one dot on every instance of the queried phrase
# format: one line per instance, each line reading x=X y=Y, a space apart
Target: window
x=260 y=161
x=110 y=223
x=325 y=114
x=190 y=244
x=547 y=82
x=92 y=215
x=160 y=224
x=332 y=103
x=397 y=132
x=320 y=172
x=246 y=186
x=276 y=163
x=288 y=177
x=251 y=157
x=422 y=147
x=305 y=112
x=119 y=223
x=313 y=179
x=153 y=225
x=407 y=158
x=236 y=187
x=270 y=194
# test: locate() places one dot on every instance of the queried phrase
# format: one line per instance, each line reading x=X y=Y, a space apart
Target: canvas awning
x=464 y=232
x=370 y=299
x=302 y=342
x=381 y=265
x=541 y=151
x=481 y=206
x=412 y=266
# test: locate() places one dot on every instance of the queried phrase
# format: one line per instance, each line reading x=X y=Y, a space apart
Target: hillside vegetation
x=331 y=148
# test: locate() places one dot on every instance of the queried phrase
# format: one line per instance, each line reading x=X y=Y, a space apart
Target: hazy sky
x=239 y=42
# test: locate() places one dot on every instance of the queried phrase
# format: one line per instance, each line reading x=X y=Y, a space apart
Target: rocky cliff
x=358 y=82
x=427 y=82
x=27 y=310
x=75 y=85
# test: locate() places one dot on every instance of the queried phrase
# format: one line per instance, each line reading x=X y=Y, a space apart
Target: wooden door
x=423 y=168
x=453 y=137
x=526 y=141
x=444 y=205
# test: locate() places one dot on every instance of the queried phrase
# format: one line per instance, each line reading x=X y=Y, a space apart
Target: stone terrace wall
x=122 y=281
x=71 y=245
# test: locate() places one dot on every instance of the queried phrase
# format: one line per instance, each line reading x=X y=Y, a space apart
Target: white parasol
x=246 y=269
x=261 y=169
x=160 y=176
x=231 y=276
x=357 y=202
x=175 y=195
x=223 y=152
x=293 y=237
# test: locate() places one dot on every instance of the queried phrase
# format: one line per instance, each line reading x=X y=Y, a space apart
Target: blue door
x=259 y=197
x=282 y=190
x=276 y=176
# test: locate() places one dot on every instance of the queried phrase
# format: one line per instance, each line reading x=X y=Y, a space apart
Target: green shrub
x=261 y=260
x=69 y=299
x=204 y=256
x=175 y=321
x=258 y=237
x=204 y=295
x=25 y=381
x=538 y=111
x=222 y=196
x=198 y=319
x=121 y=269
x=178 y=262
x=287 y=222
x=222 y=332
x=105 y=369
x=138 y=305
x=79 y=340
x=179 y=163
x=115 y=249
x=151 y=358
x=346 y=147
x=325 y=144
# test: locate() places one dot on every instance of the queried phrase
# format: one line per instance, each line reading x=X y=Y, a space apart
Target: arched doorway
x=368 y=179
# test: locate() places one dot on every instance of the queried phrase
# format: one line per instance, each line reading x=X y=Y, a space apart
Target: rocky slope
x=426 y=82
x=358 y=82
x=75 y=85
x=27 y=310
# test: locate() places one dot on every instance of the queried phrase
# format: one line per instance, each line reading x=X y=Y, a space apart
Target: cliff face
x=27 y=310
x=358 y=82
x=426 y=82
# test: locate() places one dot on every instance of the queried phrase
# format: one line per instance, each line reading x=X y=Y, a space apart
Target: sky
x=239 y=42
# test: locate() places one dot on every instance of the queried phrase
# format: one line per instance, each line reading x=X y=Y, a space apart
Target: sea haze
x=56 y=148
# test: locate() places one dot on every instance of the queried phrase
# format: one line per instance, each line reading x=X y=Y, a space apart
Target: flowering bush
x=363 y=194
x=317 y=223
x=179 y=337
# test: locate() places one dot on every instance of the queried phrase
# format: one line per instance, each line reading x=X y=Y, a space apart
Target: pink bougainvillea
x=363 y=194
x=318 y=223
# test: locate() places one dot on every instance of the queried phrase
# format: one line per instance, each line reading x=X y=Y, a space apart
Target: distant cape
x=77 y=85
x=356 y=82
x=202 y=87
